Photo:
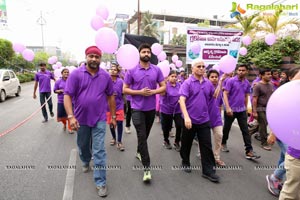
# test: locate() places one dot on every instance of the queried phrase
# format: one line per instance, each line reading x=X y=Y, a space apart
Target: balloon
x=59 y=65
x=102 y=11
x=18 y=47
x=227 y=63
x=156 y=49
x=52 y=60
x=196 y=47
x=270 y=39
x=178 y=63
x=247 y=40
x=128 y=56
x=164 y=67
x=54 y=67
x=28 y=54
x=172 y=66
x=162 y=56
x=97 y=22
x=243 y=51
x=107 y=40
x=57 y=73
x=282 y=113
x=174 y=58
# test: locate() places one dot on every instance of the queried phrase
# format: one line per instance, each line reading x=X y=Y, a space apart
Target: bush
x=26 y=77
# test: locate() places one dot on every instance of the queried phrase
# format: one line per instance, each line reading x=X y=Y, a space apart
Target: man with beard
x=236 y=92
x=261 y=94
x=43 y=79
x=141 y=83
x=89 y=88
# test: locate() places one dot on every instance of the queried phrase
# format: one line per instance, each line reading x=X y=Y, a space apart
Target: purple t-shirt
x=293 y=152
x=118 y=93
x=89 y=95
x=60 y=85
x=44 y=80
x=215 y=113
x=237 y=91
x=169 y=102
x=139 y=78
x=198 y=97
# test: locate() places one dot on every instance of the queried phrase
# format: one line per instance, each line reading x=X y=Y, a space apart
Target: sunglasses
x=200 y=66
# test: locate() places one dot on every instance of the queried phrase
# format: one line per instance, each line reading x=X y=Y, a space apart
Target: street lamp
x=41 y=21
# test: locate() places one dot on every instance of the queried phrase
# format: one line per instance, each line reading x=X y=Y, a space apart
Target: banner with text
x=214 y=44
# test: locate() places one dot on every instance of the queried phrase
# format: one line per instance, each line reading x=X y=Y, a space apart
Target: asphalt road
x=35 y=157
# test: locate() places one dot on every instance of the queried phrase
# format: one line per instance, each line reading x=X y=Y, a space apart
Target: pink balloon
x=97 y=22
x=178 y=63
x=227 y=64
x=162 y=56
x=195 y=47
x=54 y=67
x=102 y=11
x=247 y=40
x=174 y=58
x=270 y=39
x=172 y=66
x=52 y=60
x=282 y=113
x=128 y=56
x=107 y=40
x=28 y=54
x=156 y=49
x=18 y=47
x=243 y=51
x=164 y=67
x=59 y=65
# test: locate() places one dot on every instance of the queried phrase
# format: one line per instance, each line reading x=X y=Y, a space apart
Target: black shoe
x=52 y=114
x=45 y=120
x=212 y=177
x=186 y=168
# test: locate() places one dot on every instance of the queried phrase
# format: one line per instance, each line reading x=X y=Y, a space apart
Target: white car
x=9 y=84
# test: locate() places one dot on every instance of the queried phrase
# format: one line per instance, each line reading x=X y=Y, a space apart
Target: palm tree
x=148 y=26
x=271 y=24
x=247 y=24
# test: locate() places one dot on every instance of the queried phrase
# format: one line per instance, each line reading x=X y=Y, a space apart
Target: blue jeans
x=97 y=134
x=280 y=171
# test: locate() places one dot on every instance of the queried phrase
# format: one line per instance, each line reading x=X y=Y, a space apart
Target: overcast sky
x=68 y=21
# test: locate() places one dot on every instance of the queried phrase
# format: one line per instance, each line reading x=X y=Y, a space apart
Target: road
x=34 y=157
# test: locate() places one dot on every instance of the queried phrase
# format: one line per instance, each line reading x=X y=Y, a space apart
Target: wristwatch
x=114 y=117
x=70 y=116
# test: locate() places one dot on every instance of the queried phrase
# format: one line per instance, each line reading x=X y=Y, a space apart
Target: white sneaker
x=127 y=130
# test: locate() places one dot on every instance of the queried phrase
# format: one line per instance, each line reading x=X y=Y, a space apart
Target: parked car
x=9 y=84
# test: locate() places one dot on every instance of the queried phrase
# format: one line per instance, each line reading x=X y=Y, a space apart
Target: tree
x=272 y=24
x=6 y=53
x=148 y=26
x=179 y=40
x=247 y=24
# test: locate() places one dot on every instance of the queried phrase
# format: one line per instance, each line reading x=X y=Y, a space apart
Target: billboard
x=3 y=14
x=215 y=43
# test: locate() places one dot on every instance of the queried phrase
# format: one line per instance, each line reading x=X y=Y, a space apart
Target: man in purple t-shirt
x=89 y=88
x=196 y=94
x=43 y=80
x=236 y=92
x=141 y=83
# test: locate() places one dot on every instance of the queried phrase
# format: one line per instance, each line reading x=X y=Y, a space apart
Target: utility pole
x=138 y=18
x=41 y=21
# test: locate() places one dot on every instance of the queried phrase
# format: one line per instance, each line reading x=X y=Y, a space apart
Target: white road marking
x=69 y=185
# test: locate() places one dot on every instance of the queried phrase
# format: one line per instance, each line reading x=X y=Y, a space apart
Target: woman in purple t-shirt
x=59 y=88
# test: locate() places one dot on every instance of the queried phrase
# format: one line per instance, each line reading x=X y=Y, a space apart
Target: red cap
x=93 y=50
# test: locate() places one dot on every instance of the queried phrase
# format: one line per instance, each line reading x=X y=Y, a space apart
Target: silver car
x=9 y=84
